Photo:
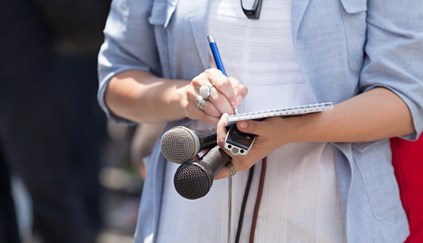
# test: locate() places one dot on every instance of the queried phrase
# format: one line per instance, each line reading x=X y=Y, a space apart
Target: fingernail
x=242 y=125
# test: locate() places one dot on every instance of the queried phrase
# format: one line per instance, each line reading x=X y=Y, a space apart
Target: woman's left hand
x=270 y=135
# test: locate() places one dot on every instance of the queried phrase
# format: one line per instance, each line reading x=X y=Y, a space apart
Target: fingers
x=211 y=94
x=195 y=113
x=220 y=101
x=250 y=126
x=223 y=85
x=206 y=113
x=238 y=163
x=221 y=135
x=221 y=130
x=242 y=92
x=225 y=93
x=263 y=145
x=228 y=170
x=206 y=106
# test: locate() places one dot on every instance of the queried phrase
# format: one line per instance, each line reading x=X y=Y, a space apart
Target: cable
x=244 y=203
x=229 y=207
x=258 y=199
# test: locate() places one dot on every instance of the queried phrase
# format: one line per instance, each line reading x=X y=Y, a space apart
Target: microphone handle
x=215 y=159
x=207 y=137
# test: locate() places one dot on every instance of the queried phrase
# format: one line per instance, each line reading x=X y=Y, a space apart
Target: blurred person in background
x=50 y=127
x=76 y=28
x=127 y=160
x=9 y=230
x=143 y=140
x=27 y=126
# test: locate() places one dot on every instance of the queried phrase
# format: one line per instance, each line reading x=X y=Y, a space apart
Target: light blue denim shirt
x=344 y=47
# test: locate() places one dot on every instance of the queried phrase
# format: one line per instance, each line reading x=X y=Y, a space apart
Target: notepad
x=287 y=111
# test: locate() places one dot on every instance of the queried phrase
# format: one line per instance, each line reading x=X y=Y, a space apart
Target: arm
x=373 y=115
x=143 y=97
x=131 y=89
x=140 y=96
x=376 y=114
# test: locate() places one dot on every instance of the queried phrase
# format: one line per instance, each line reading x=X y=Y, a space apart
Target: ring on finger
x=200 y=102
x=205 y=91
x=231 y=169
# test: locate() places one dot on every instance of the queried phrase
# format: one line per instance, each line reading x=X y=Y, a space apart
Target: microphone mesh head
x=193 y=180
x=179 y=145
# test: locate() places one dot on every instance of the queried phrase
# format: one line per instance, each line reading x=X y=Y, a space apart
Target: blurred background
x=66 y=173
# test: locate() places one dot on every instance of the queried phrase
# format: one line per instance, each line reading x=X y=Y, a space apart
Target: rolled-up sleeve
x=129 y=44
x=394 y=53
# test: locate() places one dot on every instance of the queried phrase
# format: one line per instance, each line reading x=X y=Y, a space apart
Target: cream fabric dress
x=300 y=200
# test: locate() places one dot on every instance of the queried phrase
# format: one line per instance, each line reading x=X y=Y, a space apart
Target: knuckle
x=210 y=71
x=222 y=85
x=243 y=89
x=221 y=141
x=234 y=82
x=200 y=77
x=226 y=82
x=196 y=81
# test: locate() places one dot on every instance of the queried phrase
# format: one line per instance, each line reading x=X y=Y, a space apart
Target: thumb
x=249 y=126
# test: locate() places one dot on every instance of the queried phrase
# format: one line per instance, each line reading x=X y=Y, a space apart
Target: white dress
x=300 y=199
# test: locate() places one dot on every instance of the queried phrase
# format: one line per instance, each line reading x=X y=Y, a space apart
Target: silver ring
x=205 y=91
x=200 y=102
x=231 y=169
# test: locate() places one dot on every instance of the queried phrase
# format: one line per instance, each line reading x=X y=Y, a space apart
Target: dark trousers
x=8 y=225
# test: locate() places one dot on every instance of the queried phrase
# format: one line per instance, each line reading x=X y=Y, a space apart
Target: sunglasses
x=251 y=8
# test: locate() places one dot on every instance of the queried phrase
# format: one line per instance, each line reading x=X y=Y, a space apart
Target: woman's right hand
x=226 y=95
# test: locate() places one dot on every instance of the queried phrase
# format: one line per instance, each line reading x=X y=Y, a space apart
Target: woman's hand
x=271 y=134
x=226 y=94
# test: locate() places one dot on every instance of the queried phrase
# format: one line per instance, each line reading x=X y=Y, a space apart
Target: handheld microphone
x=181 y=144
x=194 y=179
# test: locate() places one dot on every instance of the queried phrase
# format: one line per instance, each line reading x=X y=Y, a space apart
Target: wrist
x=178 y=101
x=300 y=128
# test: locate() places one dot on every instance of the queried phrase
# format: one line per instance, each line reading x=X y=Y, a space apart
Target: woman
x=322 y=177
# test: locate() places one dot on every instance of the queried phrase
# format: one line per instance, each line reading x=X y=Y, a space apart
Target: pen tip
x=210 y=38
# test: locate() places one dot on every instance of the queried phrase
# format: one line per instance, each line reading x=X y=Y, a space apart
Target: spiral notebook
x=288 y=111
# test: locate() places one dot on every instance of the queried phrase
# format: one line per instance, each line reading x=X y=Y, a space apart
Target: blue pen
x=217 y=59
x=216 y=55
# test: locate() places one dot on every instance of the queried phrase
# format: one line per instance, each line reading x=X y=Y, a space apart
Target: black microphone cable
x=244 y=203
